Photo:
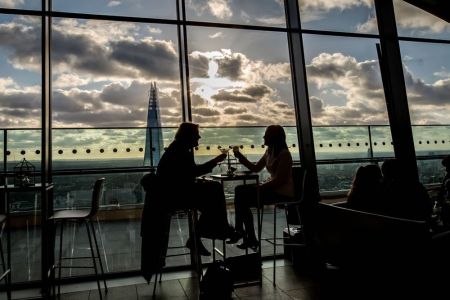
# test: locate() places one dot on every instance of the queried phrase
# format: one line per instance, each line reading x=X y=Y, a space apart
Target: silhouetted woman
x=279 y=187
x=365 y=191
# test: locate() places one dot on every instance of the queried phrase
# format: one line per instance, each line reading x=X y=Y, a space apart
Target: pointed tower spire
x=154 y=137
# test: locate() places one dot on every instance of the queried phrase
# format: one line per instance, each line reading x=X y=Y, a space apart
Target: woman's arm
x=249 y=165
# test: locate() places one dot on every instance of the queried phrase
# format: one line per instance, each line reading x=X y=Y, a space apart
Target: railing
x=339 y=150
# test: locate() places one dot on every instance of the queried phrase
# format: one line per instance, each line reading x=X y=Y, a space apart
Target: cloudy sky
x=102 y=70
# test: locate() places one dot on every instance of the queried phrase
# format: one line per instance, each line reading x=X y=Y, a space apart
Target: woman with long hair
x=279 y=187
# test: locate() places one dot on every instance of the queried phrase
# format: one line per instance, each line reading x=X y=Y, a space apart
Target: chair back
x=299 y=179
x=97 y=195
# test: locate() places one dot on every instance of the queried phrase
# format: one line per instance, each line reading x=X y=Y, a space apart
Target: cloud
x=152 y=58
x=205 y=111
x=216 y=35
x=234 y=110
x=409 y=17
x=218 y=8
x=359 y=88
x=198 y=65
x=11 y=3
x=231 y=66
x=24 y=44
x=114 y=105
x=233 y=96
x=155 y=30
x=113 y=3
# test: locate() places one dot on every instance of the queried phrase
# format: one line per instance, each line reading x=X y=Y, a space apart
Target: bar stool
x=195 y=256
x=6 y=271
x=87 y=217
x=299 y=178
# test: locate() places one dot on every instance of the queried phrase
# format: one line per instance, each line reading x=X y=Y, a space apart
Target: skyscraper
x=154 y=136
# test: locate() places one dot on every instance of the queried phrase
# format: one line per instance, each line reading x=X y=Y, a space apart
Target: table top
x=236 y=176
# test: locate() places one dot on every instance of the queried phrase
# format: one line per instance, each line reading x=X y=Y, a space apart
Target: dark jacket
x=177 y=172
x=170 y=189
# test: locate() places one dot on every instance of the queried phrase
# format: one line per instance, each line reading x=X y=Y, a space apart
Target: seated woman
x=365 y=191
x=279 y=187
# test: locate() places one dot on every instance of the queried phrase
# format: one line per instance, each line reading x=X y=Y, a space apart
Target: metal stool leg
x=274 y=241
x=99 y=256
x=60 y=257
x=8 y=290
x=93 y=259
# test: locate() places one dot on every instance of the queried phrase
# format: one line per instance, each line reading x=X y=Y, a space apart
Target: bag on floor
x=217 y=283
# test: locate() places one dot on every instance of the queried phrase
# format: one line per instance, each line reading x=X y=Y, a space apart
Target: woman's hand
x=236 y=152
x=220 y=158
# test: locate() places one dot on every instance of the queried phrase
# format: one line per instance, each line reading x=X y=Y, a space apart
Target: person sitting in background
x=443 y=201
x=279 y=187
x=365 y=191
x=177 y=173
x=403 y=198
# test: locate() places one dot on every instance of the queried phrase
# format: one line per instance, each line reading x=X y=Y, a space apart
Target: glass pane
x=20 y=74
x=101 y=79
x=415 y=22
x=427 y=74
x=21 y=4
x=247 y=12
x=118 y=229
x=23 y=144
x=161 y=9
x=427 y=78
x=245 y=83
x=342 y=142
x=432 y=172
x=344 y=16
x=431 y=140
x=25 y=220
x=382 y=142
x=345 y=88
x=336 y=177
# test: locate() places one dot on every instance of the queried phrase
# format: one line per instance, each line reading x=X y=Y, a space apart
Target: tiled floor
x=331 y=285
x=290 y=285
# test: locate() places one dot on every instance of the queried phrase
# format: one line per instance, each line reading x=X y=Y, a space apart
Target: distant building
x=154 y=136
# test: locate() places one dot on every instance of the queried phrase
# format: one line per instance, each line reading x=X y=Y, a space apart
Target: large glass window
x=104 y=75
x=241 y=78
x=427 y=76
x=20 y=112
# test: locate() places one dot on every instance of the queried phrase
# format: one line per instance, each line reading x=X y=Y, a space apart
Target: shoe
x=234 y=237
x=249 y=244
x=201 y=248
